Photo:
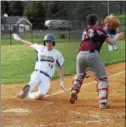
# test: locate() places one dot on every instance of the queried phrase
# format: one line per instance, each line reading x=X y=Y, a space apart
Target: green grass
x=115 y=56
x=121 y=18
x=38 y=39
x=18 y=61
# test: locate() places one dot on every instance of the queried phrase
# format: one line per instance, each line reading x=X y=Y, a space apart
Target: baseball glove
x=112 y=21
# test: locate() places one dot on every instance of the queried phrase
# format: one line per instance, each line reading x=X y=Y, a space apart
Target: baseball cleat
x=24 y=92
x=73 y=97
x=105 y=105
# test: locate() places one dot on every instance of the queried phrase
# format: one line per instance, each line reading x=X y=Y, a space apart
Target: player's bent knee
x=40 y=97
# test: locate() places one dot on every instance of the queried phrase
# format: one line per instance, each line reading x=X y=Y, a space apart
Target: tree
x=82 y=10
x=16 y=8
x=121 y=6
x=4 y=7
x=56 y=9
x=27 y=13
x=36 y=14
x=52 y=9
x=39 y=11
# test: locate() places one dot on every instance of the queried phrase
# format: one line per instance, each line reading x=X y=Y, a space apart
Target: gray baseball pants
x=93 y=61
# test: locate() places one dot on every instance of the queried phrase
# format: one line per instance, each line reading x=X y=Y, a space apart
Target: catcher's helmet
x=50 y=37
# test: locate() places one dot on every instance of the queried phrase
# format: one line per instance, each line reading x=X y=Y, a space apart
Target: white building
x=15 y=23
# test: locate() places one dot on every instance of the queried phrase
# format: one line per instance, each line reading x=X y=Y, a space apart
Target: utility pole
x=108 y=9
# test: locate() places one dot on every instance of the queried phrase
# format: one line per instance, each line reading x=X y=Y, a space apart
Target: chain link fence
x=70 y=34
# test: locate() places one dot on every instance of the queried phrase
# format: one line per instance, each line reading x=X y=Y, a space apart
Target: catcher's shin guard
x=76 y=87
x=75 y=90
x=103 y=90
x=78 y=80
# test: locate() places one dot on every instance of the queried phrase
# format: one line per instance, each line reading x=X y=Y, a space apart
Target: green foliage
x=18 y=61
x=4 y=7
x=62 y=36
x=28 y=13
x=16 y=8
x=82 y=10
x=36 y=14
x=39 y=11
x=56 y=9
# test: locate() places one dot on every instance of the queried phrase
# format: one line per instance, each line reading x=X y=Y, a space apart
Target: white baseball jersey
x=47 y=60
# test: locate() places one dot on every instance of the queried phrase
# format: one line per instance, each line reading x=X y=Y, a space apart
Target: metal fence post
x=31 y=34
x=10 y=33
x=69 y=31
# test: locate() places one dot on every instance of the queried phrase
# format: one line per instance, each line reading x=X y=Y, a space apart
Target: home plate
x=17 y=110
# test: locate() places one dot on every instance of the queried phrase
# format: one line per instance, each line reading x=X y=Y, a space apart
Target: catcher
x=47 y=59
x=93 y=38
x=112 y=25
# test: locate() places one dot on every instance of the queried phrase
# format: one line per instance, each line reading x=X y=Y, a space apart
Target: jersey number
x=88 y=34
x=50 y=65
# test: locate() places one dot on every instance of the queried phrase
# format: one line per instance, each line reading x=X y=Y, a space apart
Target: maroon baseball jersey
x=92 y=38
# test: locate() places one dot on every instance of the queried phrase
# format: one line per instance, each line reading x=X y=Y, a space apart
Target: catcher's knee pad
x=103 y=90
x=77 y=82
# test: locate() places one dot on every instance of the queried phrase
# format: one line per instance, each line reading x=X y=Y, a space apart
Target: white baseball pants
x=114 y=46
x=41 y=81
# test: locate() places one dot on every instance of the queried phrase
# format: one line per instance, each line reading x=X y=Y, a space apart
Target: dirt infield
x=56 y=111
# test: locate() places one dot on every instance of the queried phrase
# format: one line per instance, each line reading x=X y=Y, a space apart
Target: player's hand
x=120 y=35
x=16 y=37
x=62 y=84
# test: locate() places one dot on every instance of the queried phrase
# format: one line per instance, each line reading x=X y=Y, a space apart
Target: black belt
x=92 y=50
x=44 y=73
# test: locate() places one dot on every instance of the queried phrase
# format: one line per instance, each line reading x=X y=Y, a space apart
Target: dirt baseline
x=56 y=111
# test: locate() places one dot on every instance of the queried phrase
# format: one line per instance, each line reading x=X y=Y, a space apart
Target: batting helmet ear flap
x=44 y=42
x=53 y=43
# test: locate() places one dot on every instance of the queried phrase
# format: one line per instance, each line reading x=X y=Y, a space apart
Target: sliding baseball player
x=47 y=59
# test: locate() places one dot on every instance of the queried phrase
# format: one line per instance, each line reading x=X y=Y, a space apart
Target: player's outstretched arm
x=17 y=38
x=119 y=36
x=61 y=70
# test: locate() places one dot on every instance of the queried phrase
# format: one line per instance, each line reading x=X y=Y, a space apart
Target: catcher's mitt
x=112 y=21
